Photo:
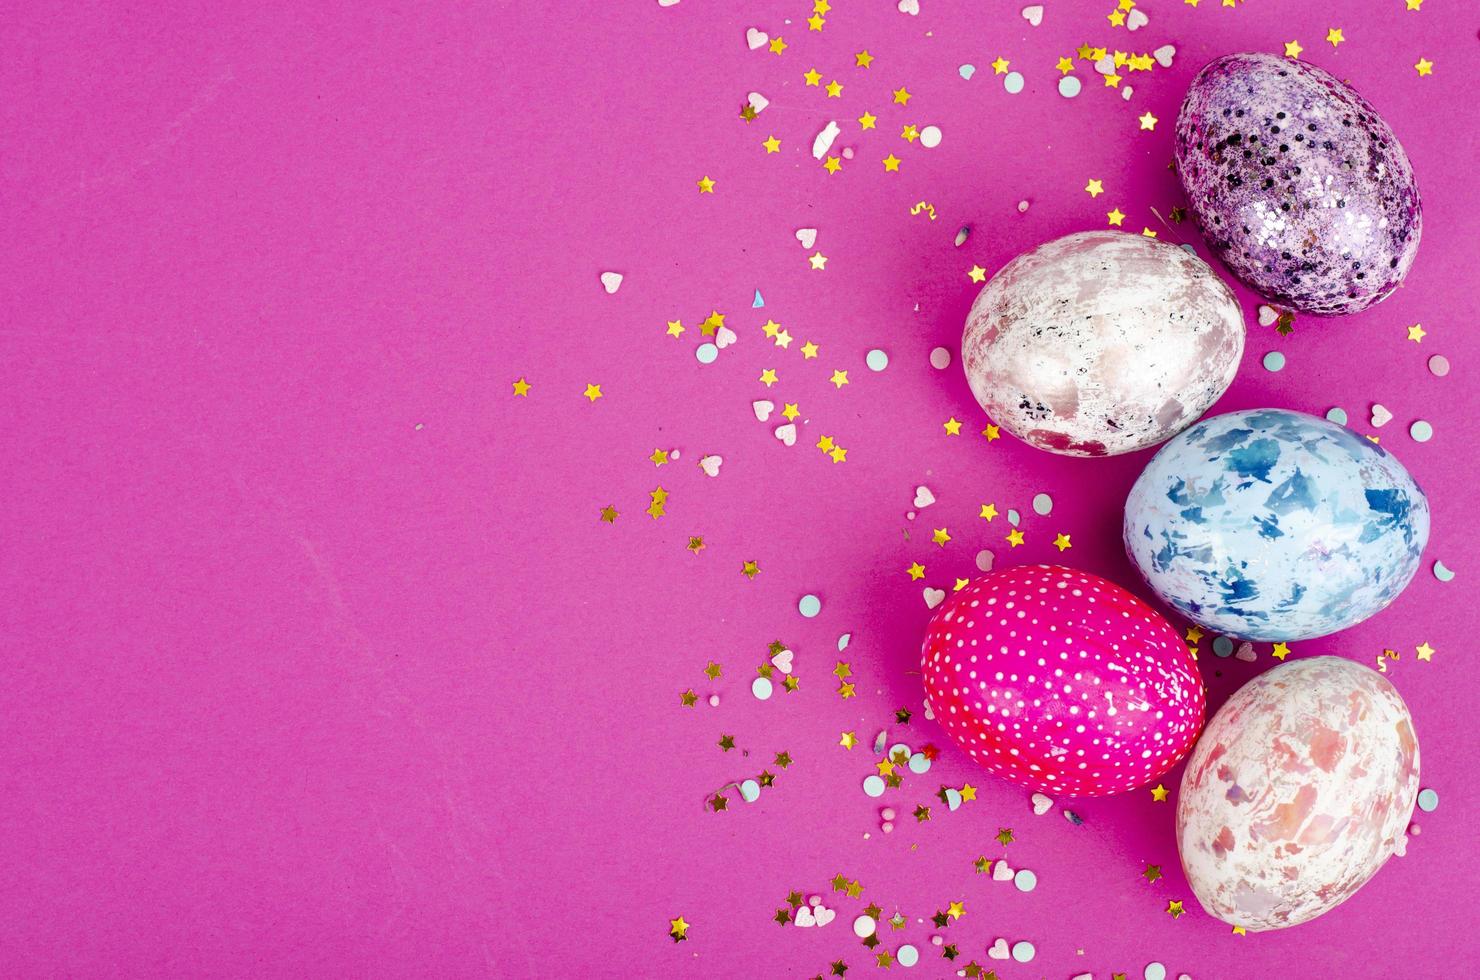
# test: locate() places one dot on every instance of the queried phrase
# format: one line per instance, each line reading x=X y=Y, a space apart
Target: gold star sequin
x=999 y=66
x=1416 y=333
x=1014 y=537
x=863 y=59
x=1159 y=793
x=1152 y=872
x=834 y=89
x=1424 y=67
x=813 y=78
x=1194 y=634
x=688 y=698
x=750 y=569
x=916 y=571
x=867 y=120
x=1116 y=217
x=1425 y=652
x=1094 y=188
x=696 y=544
x=989 y=511
x=1175 y=910
x=940 y=536
x=772 y=144
x=777 y=45
x=1293 y=49
x=1335 y=36
x=521 y=388
x=678 y=929
x=848 y=740
x=1062 y=542
x=891 y=163
x=768 y=377
x=952 y=427
x=1148 y=121
x=1281 y=651
x=817 y=260
x=1004 y=835
x=839 y=378
x=706 y=185
x=593 y=392
x=901 y=96
x=809 y=350
x=977 y=274
x=609 y=514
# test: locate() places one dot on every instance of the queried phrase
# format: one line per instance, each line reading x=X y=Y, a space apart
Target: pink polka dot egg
x=1061 y=681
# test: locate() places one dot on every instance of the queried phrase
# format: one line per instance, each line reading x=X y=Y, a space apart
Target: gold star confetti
x=1194 y=634
x=706 y=185
x=1148 y=121
x=688 y=698
x=720 y=802
x=1281 y=651
x=711 y=323
x=658 y=498
x=777 y=45
x=832 y=164
x=846 y=690
x=1335 y=36
x=989 y=511
x=809 y=350
x=952 y=427
x=839 y=378
x=815 y=22
x=593 y=392
x=1414 y=4
x=1159 y=793
x=726 y=742
x=1004 y=835
x=1062 y=543
x=609 y=514
x=750 y=569
x=1152 y=872
x=1116 y=18
x=940 y=536
x=783 y=759
x=848 y=740
x=968 y=792
x=678 y=929
x=977 y=274
x=812 y=77
x=909 y=134
x=1426 y=652
x=768 y=377
x=1175 y=910
x=790 y=412
x=696 y=544
x=1014 y=537
x=1293 y=49
x=521 y=388
x=992 y=432
x=772 y=144
x=1065 y=65
x=916 y=571
x=999 y=66
x=1115 y=217
x=863 y=59
x=867 y=120
x=922 y=813
x=1416 y=333
x=818 y=260
x=783 y=340
x=956 y=909
x=891 y=163
x=1094 y=188
x=659 y=457
x=901 y=96
x=675 y=328
x=838 y=454
x=1424 y=67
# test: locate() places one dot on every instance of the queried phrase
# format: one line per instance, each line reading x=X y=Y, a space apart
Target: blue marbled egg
x=1275 y=525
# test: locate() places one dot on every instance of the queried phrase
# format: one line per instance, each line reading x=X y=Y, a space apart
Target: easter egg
x=1061 y=682
x=1299 y=186
x=1101 y=343
x=1298 y=791
x=1275 y=525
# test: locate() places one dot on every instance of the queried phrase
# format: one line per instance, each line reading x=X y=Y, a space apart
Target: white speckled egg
x=1298 y=791
x=1101 y=343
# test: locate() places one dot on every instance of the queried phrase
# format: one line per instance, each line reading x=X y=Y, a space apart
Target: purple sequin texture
x=1298 y=184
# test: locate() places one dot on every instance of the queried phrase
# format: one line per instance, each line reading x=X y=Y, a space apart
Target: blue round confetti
x=1428 y=800
x=907 y=955
x=809 y=605
x=1025 y=880
x=873 y=785
x=1023 y=951
x=706 y=353
x=750 y=791
x=919 y=763
x=1421 y=431
x=1337 y=415
x=1274 y=361
x=1155 y=971
x=1223 y=646
x=876 y=360
x=761 y=688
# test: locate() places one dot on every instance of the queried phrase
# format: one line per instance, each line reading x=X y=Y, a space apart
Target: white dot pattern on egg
x=1061 y=681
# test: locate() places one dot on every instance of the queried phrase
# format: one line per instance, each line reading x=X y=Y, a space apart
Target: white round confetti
x=1337 y=415
x=1274 y=361
x=873 y=785
x=1025 y=880
x=1023 y=951
x=750 y=791
x=706 y=353
x=930 y=137
x=714 y=700
x=1421 y=431
x=864 y=926
x=1155 y=971
x=1069 y=86
x=984 y=560
x=809 y=605
x=940 y=358
x=907 y=955
x=1013 y=82
x=814 y=901
x=761 y=688
x=919 y=763
x=1439 y=365
x=1428 y=800
x=876 y=360
x=1042 y=504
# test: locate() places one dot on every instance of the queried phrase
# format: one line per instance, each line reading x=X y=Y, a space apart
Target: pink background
x=317 y=659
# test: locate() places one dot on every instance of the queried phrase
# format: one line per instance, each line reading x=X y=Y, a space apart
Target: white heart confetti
x=710 y=465
x=667 y=3
x=804 y=918
x=1380 y=416
x=1033 y=14
x=787 y=434
x=911 y=7
x=923 y=497
x=934 y=597
x=807 y=236
x=757 y=101
x=1163 y=55
x=782 y=661
x=824 y=915
x=1267 y=315
x=1084 y=976
x=824 y=140
x=1106 y=65
x=763 y=409
x=1136 y=20
x=756 y=38
x=1041 y=804
x=1001 y=872
x=1245 y=652
x=724 y=337
x=998 y=950
x=611 y=281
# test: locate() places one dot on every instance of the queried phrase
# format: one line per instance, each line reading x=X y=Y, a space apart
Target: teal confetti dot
x=919 y=763
x=1337 y=415
x=750 y=791
x=762 y=688
x=1223 y=647
x=809 y=605
x=706 y=353
x=1274 y=361
x=1013 y=83
x=1042 y=504
x=1155 y=971
x=873 y=785
x=1428 y=800
x=1443 y=572
x=967 y=71
x=1023 y=951
x=876 y=360
x=1421 y=431
x=1025 y=880
x=907 y=955
x=1013 y=517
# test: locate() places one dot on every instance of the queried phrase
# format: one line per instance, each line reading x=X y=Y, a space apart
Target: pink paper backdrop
x=317 y=657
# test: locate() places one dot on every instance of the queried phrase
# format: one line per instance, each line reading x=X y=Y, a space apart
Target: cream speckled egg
x=1101 y=343
x=1298 y=791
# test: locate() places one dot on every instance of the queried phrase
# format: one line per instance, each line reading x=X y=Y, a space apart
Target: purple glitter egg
x=1299 y=186
x=1101 y=343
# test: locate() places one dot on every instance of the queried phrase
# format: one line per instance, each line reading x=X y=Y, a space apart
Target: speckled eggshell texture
x=1101 y=343
x=1061 y=682
x=1300 y=187
x=1298 y=791
x=1275 y=525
